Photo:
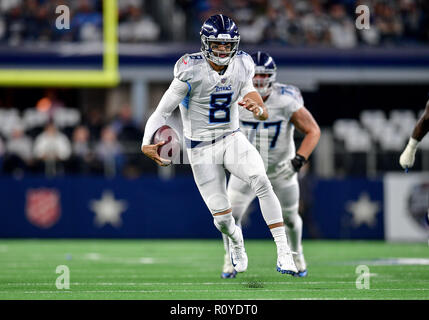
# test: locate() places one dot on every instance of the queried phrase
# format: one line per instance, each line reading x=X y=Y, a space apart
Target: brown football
x=171 y=149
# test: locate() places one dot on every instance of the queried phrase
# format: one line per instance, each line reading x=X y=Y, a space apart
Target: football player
x=207 y=85
x=285 y=106
x=407 y=157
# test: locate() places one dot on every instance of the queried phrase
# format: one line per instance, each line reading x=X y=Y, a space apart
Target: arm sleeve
x=169 y=101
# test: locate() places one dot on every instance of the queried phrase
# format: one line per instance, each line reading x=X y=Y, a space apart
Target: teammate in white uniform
x=286 y=111
x=207 y=85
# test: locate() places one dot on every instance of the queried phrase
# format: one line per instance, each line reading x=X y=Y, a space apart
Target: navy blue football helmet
x=265 y=66
x=216 y=30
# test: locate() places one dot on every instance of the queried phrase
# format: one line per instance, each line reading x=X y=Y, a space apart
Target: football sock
x=225 y=223
x=268 y=201
x=225 y=242
x=294 y=231
x=279 y=235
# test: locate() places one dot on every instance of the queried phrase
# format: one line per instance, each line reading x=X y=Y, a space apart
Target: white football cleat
x=238 y=254
x=300 y=265
x=285 y=262
x=228 y=271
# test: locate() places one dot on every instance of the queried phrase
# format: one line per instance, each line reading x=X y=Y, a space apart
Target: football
x=171 y=149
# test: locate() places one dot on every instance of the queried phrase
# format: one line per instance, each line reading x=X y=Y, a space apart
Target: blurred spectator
x=49 y=103
x=52 y=144
x=37 y=26
x=138 y=26
x=290 y=22
x=109 y=152
x=388 y=23
x=53 y=148
x=19 y=152
x=94 y=120
x=252 y=25
x=82 y=156
x=80 y=144
x=87 y=22
x=412 y=19
x=342 y=28
x=125 y=127
x=6 y=5
x=315 y=23
x=14 y=25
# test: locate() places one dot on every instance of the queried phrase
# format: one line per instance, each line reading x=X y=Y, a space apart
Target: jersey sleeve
x=183 y=69
x=249 y=65
x=249 y=71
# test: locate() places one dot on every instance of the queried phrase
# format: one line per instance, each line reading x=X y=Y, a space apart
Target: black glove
x=298 y=162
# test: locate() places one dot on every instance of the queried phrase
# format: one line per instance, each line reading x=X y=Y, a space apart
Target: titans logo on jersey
x=210 y=107
x=274 y=136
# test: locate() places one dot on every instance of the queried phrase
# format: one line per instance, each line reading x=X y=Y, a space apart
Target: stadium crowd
x=289 y=22
x=52 y=139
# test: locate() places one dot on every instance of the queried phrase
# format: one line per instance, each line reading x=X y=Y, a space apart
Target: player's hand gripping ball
x=170 y=150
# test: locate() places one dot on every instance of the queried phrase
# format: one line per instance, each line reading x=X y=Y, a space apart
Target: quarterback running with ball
x=207 y=86
x=286 y=109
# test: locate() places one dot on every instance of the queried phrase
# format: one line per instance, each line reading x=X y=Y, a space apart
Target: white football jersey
x=210 y=108
x=274 y=137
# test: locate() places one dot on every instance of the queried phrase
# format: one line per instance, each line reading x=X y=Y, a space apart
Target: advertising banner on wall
x=94 y=207
x=406 y=206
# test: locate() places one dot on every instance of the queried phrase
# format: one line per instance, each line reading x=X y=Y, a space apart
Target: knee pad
x=224 y=223
x=260 y=184
x=218 y=203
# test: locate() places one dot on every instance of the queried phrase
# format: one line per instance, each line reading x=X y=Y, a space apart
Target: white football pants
x=287 y=190
x=236 y=154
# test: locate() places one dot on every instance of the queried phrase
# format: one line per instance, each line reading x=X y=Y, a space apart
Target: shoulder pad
x=183 y=69
x=248 y=63
x=291 y=91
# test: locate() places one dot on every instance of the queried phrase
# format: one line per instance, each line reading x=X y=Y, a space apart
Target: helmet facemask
x=222 y=58
x=264 y=85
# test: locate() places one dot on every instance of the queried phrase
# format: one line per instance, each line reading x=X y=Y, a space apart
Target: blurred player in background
x=207 y=85
x=286 y=111
x=422 y=127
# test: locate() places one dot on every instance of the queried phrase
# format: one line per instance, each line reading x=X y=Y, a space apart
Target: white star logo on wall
x=364 y=210
x=108 y=210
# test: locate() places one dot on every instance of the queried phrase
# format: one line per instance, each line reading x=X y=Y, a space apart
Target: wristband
x=413 y=143
x=261 y=111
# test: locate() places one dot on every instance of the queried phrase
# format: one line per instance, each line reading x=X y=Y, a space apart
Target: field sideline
x=190 y=269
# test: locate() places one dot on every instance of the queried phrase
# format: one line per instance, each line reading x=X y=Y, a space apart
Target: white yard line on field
x=211 y=290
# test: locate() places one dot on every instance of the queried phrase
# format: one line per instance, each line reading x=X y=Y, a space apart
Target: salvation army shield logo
x=43 y=208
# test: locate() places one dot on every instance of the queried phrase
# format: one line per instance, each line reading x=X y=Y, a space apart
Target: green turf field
x=190 y=269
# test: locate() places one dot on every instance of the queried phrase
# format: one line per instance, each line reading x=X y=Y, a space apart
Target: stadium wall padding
x=95 y=207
